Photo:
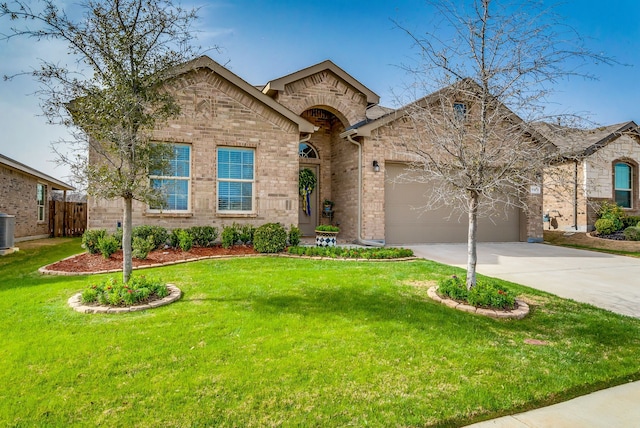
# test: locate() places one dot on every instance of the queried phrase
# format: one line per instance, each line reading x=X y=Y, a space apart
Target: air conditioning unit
x=7 y=230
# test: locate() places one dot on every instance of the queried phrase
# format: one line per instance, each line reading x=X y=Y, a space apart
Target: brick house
x=239 y=149
x=25 y=193
x=598 y=165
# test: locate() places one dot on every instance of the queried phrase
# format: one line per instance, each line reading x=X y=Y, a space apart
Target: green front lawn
x=291 y=342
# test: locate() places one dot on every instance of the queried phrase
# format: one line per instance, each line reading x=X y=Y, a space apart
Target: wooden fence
x=67 y=218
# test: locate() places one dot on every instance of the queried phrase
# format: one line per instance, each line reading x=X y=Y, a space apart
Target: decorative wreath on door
x=306 y=184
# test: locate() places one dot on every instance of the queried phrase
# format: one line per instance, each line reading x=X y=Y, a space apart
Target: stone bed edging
x=46 y=271
x=519 y=312
x=75 y=302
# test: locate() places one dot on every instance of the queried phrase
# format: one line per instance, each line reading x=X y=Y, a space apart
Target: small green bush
x=613 y=212
x=113 y=292
x=294 y=235
x=90 y=239
x=605 y=226
x=632 y=233
x=230 y=236
x=141 y=247
x=185 y=240
x=108 y=245
x=204 y=236
x=245 y=233
x=270 y=238
x=159 y=234
x=453 y=287
x=485 y=294
x=174 y=240
x=632 y=220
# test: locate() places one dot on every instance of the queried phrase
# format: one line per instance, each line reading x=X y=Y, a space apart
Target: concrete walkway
x=607 y=281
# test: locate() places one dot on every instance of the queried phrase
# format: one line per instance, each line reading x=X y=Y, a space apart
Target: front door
x=308 y=208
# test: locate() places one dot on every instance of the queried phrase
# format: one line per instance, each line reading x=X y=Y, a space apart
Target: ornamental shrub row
x=271 y=238
x=351 y=253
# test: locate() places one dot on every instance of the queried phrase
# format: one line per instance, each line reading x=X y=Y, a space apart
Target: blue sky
x=264 y=40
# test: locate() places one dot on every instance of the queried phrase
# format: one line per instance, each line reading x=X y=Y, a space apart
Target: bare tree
x=494 y=63
x=112 y=97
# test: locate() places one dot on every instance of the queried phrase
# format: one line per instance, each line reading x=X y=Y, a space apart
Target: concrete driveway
x=603 y=280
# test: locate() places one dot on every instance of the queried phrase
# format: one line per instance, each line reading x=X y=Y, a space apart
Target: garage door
x=405 y=223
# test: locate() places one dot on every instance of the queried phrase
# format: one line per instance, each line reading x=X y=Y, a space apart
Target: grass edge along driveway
x=292 y=342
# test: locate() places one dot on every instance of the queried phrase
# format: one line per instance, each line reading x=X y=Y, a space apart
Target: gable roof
x=278 y=84
x=54 y=182
x=365 y=127
x=574 y=142
x=206 y=62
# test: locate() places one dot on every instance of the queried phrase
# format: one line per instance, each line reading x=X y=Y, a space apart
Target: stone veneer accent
x=75 y=302
x=518 y=313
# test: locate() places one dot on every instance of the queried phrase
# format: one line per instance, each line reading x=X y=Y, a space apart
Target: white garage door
x=405 y=223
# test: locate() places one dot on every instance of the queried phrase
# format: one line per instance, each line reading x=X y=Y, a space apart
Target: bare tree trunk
x=126 y=240
x=472 y=255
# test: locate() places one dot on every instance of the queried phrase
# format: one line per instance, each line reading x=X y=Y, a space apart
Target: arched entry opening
x=335 y=166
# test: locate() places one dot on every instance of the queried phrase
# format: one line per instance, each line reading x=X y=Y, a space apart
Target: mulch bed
x=86 y=262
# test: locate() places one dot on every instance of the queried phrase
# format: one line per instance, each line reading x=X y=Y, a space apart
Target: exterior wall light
x=376 y=167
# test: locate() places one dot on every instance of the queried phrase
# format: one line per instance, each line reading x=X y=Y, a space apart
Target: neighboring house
x=597 y=165
x=25 y=194
x=238 y=150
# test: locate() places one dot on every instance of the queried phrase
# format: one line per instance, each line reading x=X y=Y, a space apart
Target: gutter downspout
x=359 y=239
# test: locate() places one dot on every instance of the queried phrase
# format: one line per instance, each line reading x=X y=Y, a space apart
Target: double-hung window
x=235 y=180
x=41 y=197
x=623 y=178
x=174 y=180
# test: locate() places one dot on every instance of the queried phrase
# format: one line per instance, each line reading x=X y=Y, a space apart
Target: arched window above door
x=307 y=151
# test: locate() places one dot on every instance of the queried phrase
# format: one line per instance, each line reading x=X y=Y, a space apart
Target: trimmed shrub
x=612 y=212
x=158 y=234
x=632 y=220
x=270 y=238
x=351 y=253
x=185 y=240
x=632 y=233
x=141 y=247
x=90 y=240
x=453 y=287
x=174 y=241
x=294 y=235
x=245 y=233
x=204 y=236
x=229 y=236
x=108 y=245
x=605 y=226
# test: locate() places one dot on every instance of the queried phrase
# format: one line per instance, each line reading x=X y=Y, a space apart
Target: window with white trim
x=235 y=179
x=623 y=184
x=41 y=197
x=175 y=180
